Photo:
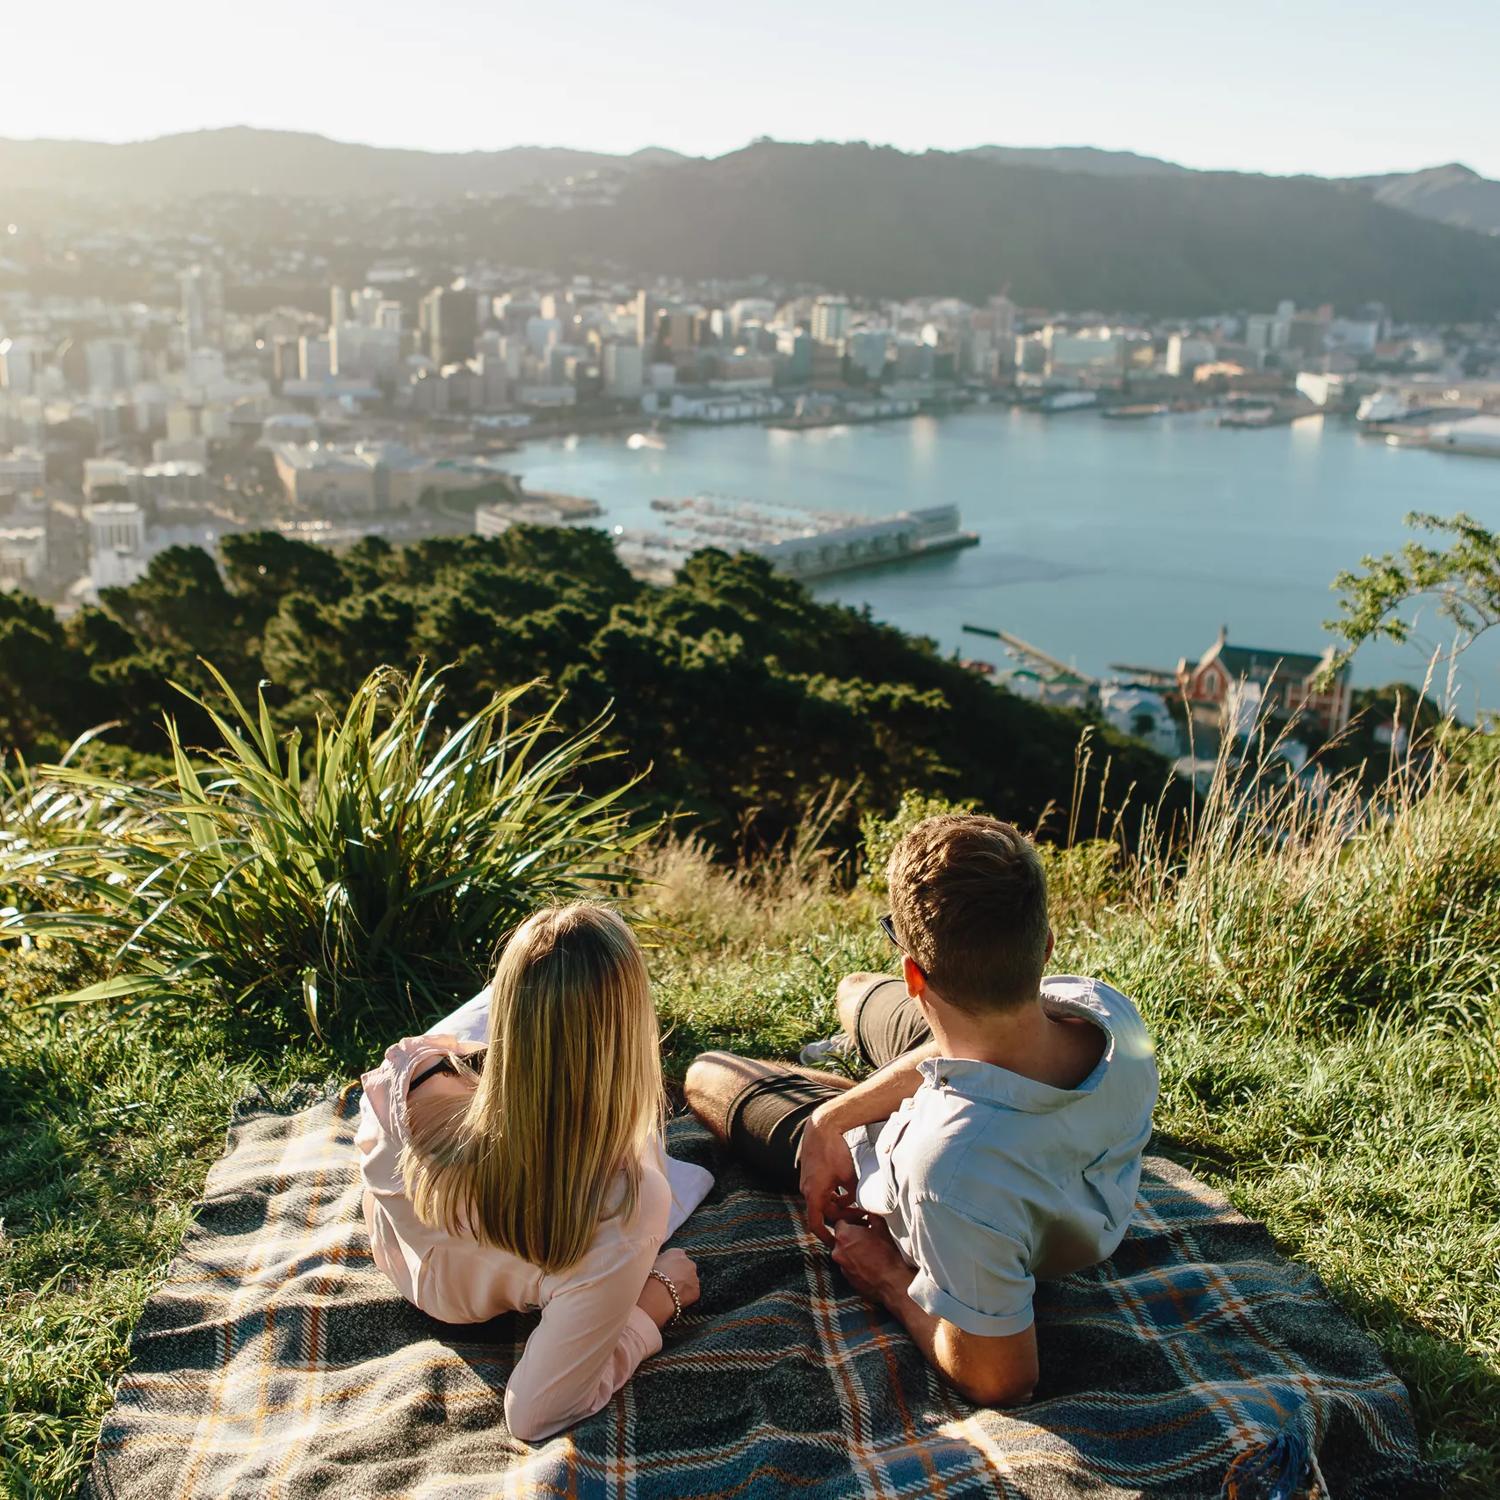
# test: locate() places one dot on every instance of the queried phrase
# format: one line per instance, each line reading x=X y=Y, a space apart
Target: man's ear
x=1051 y=945
x=916 y=980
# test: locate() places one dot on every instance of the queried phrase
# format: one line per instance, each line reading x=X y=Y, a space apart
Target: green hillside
x=881 y=223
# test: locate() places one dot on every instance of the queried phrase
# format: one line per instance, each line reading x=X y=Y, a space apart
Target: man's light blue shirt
x=988 y=1179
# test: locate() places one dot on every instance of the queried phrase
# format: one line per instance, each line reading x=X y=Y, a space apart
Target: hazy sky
x=1327 y=86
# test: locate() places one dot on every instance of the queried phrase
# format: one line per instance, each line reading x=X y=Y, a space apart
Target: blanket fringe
x=1279 y=1469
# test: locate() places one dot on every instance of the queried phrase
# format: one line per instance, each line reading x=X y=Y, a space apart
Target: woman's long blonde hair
x=568 y=1099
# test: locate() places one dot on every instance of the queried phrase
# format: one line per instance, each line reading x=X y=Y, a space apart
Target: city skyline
x=1324 y=93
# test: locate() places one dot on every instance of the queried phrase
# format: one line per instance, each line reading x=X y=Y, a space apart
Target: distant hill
x=1454 y=194
x=882 y=223
x=1064 y=226
x=242 y=160
x=1088 y=159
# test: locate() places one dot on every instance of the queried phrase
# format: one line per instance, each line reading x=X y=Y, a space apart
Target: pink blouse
x=592 y=1335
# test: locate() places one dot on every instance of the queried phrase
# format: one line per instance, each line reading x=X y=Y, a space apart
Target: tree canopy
x=745 y=698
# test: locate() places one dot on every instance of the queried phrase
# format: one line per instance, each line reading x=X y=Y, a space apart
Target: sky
x=1330 y=87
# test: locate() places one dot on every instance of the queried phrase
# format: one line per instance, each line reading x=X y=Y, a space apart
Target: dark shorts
x=767 y=1116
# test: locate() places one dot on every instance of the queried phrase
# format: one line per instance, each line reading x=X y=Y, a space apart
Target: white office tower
x=202 y=307
x=830 y=319
x=117 y=543
x=18 y=367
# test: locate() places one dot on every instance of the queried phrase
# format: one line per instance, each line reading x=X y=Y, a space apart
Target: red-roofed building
x=1289 y=681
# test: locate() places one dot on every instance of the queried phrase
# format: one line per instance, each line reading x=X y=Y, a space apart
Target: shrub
x=363 y=885
x=881 y=835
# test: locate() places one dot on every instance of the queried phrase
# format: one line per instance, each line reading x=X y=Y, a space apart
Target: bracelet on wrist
x=671 y=1287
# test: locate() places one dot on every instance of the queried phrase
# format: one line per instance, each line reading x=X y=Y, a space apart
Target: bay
x=1100 y=542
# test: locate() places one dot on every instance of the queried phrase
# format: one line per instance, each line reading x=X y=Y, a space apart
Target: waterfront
x=1100 y=541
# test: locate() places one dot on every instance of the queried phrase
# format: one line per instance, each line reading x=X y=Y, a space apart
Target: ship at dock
x=798 y=541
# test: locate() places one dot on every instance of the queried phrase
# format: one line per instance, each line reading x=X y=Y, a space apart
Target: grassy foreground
x=1326 y=1004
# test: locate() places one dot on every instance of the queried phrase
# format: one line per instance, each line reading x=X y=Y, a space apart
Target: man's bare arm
x=881 y=1094
x=996 y=1370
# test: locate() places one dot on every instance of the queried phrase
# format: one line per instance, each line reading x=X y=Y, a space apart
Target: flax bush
x=362 y=882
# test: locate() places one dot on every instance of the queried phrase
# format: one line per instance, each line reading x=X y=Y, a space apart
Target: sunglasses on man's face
x=888 y=927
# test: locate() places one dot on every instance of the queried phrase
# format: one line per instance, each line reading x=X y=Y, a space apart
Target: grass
x=1325 y=995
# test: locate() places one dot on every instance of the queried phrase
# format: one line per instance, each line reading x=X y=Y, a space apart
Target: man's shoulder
x=1095 y=995
x=949 y=1138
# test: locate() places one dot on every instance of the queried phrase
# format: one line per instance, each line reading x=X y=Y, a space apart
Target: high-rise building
x=111 y=364
x=17 y=366
x=202 y=307
x=867 y=349
x=645 y=319
x=830 y=319
x=314 y=358
x=360 y=352
x=338 y=306
x=624 y=371
x=1002 y=313
x=449 y=321
x=678 y=329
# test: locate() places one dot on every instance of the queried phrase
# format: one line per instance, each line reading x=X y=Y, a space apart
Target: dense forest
x=746 y=698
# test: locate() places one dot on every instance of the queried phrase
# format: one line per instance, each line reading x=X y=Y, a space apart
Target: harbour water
x=1101 y=542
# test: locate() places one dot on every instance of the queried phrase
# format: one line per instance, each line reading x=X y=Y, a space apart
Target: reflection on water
x=1102 y=541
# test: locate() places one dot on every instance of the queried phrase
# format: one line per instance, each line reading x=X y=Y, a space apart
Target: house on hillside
x=1286 y=682
x=1142 y=713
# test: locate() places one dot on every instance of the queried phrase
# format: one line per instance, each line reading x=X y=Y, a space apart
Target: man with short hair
x=1000 y=1139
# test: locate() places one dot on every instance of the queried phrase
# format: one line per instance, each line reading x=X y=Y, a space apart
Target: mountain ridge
x=1064 y=227
x=307 y=163
x=242 y=158
x=878 y=222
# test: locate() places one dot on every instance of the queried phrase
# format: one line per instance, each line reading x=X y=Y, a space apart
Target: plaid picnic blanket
x=277 y=1361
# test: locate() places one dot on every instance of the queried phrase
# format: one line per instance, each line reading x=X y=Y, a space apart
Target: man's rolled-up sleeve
x=969 y=1274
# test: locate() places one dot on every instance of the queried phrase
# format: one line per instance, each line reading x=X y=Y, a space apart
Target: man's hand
x=868 y=1257
x=828 y=1177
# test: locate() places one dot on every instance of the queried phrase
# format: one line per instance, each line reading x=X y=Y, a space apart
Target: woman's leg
x=880 y=1018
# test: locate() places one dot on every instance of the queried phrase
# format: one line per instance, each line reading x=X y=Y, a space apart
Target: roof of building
x=1258 y=664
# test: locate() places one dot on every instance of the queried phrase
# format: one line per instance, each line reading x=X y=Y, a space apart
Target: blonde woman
x=528 y=1171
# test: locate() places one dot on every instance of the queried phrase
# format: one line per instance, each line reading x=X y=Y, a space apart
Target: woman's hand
x=655 y=1300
